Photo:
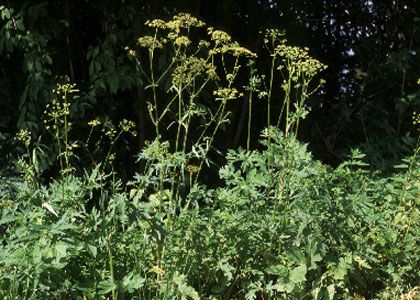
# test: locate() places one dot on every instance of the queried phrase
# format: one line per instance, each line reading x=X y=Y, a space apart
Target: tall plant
x=298 y=71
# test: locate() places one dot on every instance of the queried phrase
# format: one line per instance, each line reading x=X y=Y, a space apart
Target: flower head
x=150 y=42
x=227 y=94
x=94 y=123
x=156 y=23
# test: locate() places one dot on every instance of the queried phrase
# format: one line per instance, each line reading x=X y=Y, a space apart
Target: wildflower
x=191 y=68
x=128 y=126
x=230 y=77
x=299 y=63
x=219 y=37
x=111 y=157
x=192 y=169
x=158 y=270
x=150 y=42
x=182 y=41
x=203 y=44
x=24 y=136
x=211 y=72
x=183 y=20
x=65 y=89
x=241 y=51
x=416 y=118
x=156 y=23
x=150 y=107
x=130 y=52
x=109 y=129
x=227 y=94
x=274 y=34
x=94 y=123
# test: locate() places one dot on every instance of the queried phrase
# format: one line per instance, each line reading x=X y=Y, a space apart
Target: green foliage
x=282 y=226
x=279 y=225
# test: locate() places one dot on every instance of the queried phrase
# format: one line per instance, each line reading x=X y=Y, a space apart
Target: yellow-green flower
x=150 y=42
x=156 y=23
x=94 y=123
x=219 y=36
x=24 y=136
x=227 y=94
x=182 y=41
x=241 y=51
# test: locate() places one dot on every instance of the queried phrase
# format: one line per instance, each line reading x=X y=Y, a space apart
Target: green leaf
x=298 y=274
x=401 y=166
x=92 y=250
x=284 y=287
x=106 y=286
x=5 y=14
x=61 y=250
x=278 y=270
x=48 y=59
x=184 y=289
x=38 y=66
x=133 y=282
x=331 y=291
x=20 y=25
x=98 y=66
x=340 y=272
x=7 y=219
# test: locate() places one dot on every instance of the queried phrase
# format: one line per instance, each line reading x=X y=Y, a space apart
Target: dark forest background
x=371 y=48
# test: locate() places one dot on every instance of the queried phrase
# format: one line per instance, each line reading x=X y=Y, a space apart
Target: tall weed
x=280 y=225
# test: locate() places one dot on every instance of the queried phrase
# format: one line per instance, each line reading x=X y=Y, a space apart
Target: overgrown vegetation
x=275 y=223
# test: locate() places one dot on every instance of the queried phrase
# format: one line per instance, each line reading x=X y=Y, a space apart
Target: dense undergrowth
x=280 y=225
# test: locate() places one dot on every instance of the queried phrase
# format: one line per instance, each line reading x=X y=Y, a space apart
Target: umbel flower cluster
x=297 y=59
x=182 y=59
x=177 y=31
x=196 y=58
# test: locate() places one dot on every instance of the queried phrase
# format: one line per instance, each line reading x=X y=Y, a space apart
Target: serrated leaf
x=133 y=282
x=340 y=272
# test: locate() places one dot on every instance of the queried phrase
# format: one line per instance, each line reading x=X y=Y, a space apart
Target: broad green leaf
x=298 y=274
x=5 y=13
